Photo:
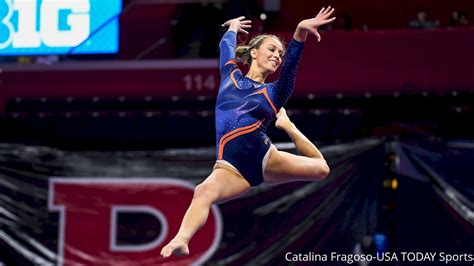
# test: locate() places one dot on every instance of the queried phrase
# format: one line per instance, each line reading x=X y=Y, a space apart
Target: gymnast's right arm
x=227 y=48
x=229 y=40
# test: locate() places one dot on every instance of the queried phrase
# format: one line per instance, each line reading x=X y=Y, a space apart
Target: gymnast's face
x=268 y=56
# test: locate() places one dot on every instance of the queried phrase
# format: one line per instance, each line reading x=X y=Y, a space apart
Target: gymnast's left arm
x=284 y=86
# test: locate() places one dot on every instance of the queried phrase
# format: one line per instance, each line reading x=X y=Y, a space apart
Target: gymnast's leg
x=222 y=185
x=283 y=167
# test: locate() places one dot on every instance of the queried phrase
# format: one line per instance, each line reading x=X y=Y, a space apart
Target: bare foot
x=283 y=121
x=177 y=246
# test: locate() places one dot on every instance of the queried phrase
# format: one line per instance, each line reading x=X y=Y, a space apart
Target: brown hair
x=242 y=52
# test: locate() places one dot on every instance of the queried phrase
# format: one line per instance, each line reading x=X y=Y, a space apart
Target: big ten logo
x=53 y=23
x=104 y=221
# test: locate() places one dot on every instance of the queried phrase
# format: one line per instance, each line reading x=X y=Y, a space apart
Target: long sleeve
x=227 y=48
x=283 y=87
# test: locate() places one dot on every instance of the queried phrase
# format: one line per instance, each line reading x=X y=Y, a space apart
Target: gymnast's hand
x=283 y=121
x=311 y=25
x=238 y=25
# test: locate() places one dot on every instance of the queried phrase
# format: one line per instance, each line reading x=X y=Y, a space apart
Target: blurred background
x=109 y=90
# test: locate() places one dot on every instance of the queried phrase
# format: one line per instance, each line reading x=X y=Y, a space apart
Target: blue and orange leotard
x=244 y=108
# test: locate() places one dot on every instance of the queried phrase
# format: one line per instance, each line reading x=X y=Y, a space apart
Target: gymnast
x=245 y=106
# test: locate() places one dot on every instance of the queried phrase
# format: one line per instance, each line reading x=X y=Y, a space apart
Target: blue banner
x=39 y=27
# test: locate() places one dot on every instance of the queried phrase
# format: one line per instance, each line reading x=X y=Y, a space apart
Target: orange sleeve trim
x=233 y=78
x=235 y=133
x=232 y=61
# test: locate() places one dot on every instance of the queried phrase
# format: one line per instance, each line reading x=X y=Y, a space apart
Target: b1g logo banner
x=113 y=221
x=35 y=27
